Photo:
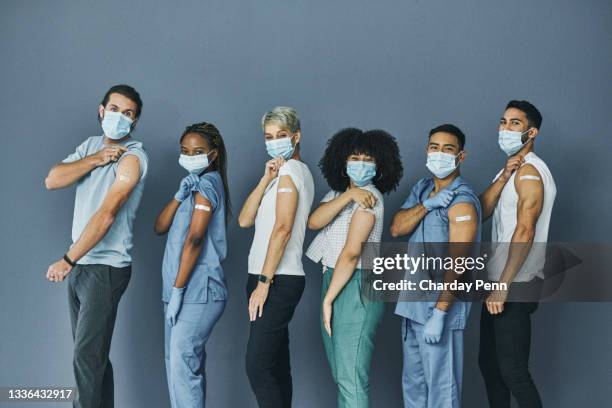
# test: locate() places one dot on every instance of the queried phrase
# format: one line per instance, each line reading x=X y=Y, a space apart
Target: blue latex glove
x=432 y=332
x=174 y=306
x=440 y=200
x=187 y=184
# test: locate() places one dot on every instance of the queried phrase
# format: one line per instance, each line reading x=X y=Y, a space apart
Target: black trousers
x=94 y=292
x=267 y=358
x=505 y=340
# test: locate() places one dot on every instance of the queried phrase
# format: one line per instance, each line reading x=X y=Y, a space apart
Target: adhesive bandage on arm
x=529 y=177
x=201 y=207
x=463 y=218
x=285 y=190
x=123 y=177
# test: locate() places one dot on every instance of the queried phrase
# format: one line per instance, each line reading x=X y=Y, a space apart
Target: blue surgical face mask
x=194 y=164
x=361 y=172
x=280 y=148
x=441 y=164
x=511 y=141
x=116 y=125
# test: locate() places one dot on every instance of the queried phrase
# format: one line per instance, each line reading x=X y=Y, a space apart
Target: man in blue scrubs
x=442 y=208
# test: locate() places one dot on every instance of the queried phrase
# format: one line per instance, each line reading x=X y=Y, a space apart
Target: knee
x=514 y=373
x=485 y=363
x=254 y=369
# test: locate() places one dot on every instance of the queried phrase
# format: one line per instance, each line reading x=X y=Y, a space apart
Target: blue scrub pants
x=185 y=344
x=432 y=373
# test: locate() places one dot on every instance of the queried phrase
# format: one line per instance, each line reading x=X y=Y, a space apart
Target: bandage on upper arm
x=201 y=207
x=529 y=177
x=284 y=190
x=463 y=218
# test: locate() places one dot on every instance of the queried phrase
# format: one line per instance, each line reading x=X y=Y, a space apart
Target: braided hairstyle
x=211 y=134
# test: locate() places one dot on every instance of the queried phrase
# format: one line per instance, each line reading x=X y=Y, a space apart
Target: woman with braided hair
x=194 y=288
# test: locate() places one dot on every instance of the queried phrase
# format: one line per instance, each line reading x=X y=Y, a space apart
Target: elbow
x=313 y=225
x=244 y=223
x=107 y=218
x=282 y=231
x=50 y=182
x=395 y=231
x=195 y=241
x=524 y=233
x=158 y=230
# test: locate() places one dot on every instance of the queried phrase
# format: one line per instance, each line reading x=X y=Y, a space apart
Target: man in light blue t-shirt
x=109 y=173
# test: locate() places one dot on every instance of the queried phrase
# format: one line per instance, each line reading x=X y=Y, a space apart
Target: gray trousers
x=94 y=292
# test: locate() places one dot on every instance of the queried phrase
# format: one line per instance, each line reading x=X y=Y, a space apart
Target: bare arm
x=247 y=215
x=127 y=177
x=463 y=227
x=65 y=174
x=192 y=247
x=406 y=220
x=531 y=199
x=165 y=218
x=327 y=211
x=490 y=197
x=286 y=207
x=361 y=225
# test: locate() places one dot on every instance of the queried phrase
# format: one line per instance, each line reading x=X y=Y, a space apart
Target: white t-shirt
x=291 y=262
x=504 y=224
x=330 y=241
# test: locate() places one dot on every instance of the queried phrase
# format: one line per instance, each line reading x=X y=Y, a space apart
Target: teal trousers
x=355 y=319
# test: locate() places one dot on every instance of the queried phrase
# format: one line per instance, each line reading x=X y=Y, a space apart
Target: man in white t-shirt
x=278 y=207
x=520 y=199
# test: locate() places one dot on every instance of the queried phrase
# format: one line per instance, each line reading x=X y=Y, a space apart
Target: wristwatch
x=264 y=279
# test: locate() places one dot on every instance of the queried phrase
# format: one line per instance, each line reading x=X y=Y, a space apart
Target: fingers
x=327 y=325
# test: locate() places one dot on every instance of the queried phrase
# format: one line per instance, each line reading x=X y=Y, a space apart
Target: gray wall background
x=404 y=66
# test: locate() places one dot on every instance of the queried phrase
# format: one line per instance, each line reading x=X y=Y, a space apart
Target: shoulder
x=210 y=179
x=422 y=183
x=372 y=188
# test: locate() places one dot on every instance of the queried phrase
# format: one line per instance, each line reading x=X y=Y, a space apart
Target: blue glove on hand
x=432 y=333
x=187 y=184
x=174 y=306
x=440 y=200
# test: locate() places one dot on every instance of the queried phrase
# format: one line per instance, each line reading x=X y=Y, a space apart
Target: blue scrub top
x=207 y=272
x=434 y=228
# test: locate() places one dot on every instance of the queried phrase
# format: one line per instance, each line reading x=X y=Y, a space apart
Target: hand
x=440 y=200
x=327 y=316
x=432 y=332
x=512 y=165
x=495 y=301
x=272 y=167
x=108 y=154
x=58 y=271
x=364 y=198
x=257 y=300
x=187 y=184
x=174 y=306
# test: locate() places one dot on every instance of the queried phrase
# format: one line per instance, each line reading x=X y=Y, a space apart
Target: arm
x=361 y=225
x=286 y=207
x=192 y=247
x=246 y=218
x=127 y=177
x=65 y=174
x=490 y=197
x=406 y=220
x=165 y=218
x=531 y=199
x=327 y=211
x=463 y=227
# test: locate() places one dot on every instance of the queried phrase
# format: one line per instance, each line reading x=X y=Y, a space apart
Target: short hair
x=453 y=130
x=286 y=117
x=534 y=117
x=127 y=91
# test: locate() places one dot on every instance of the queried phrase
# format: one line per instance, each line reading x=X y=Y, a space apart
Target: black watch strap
x=70 y=261
x=264 y=279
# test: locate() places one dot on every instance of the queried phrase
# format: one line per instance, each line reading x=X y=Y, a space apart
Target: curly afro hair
x=376 y=143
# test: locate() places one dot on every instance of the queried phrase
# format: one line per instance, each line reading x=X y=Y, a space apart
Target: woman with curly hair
x=359 y=167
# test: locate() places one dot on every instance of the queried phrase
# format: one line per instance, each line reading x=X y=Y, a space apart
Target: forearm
x=490 y=197
x=65 y=174
x=251 y=205
x=192 y=249
x=94 y=231
x=343 y=271
x=276 y=249
x=326 y=212
x=522 y=241
x=164 y=219
x=405 y=221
